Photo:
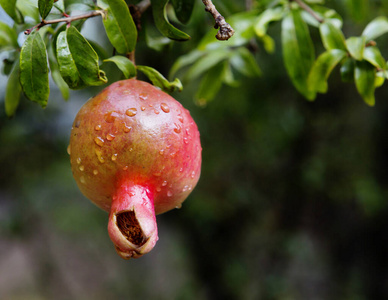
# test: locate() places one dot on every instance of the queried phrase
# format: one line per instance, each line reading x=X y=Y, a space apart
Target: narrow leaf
x=159 y=80
x=210 y=85
x=45 y=7
x=375 y=28
x=162 y=23
x=268 y=16
x=119 y=25
x=183 y=9
x=298 y=51
x=373 y=55
x=364 y=77
x=322 y=68
x=332 y=37
x=356 y=46
x=13 y=91
x=124 y=64
x=9 y=7
x=244 y=61
x=34 y=69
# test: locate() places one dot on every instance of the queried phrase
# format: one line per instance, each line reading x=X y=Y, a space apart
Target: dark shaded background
x=291 y=204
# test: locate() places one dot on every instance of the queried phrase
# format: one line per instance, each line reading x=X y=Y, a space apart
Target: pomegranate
x=135 y=152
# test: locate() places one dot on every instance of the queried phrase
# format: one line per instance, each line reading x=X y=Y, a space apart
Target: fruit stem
x=132 y=222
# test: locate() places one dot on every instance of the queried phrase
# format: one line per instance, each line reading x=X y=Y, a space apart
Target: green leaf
x=9 y=7
x=185 y=60
x=8 y=37
x=206 y=62
x=78 y=62
x=102 y=54
x=268 y=16
x=332 y=37
x=244 y=62
x=347 y=70
x=119 y=25
x=364 y=77
x=124 y=64
x=375 y=28
x=56 y=75
x=298 y=51
x=45 y=7
x=358 y=9
x=183 y=9
x=34 y=69
x=210 y=85
x=322 y=68
x=28 y=8
x=159 y=80
x=78 y=5
x=13 y=91
x=356 y=47
x=162 y=23
x=373 y=55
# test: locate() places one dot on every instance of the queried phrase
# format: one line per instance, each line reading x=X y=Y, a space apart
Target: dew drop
x=126 y=92
x=110 y=137
x=190 y=188
x=97 y=128
x=95 y=172
x=131 y=112
x=156 y=111
x=127 y=128
x=131 y=194
x=110 y=117
x=114 y=157
x=81 y=168
x=150 y=105
x=68 y=150
x=178 y=206
x=99 y=141
x=169 y=194
x=161 y=152
x=130 y=149
x=158 y=189
x=177 y=128
x=164 y=183
x=193 y=174
x=180 y=118
x=165 y=107
x=143 y=96
x=142 y=108
x=125 y=168
x=181 y=170
x=185 y=140
x=99 y=155
x=79 y=160
x=173 y=154
x=82 y=179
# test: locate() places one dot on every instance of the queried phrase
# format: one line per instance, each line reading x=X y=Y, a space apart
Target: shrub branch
x=225 y=31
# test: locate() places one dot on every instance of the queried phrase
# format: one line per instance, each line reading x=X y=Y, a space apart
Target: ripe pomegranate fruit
x=134 y=152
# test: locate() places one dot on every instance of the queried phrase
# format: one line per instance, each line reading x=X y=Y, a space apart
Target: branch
x=309 y=10
x=225 y=31
x=67 y=20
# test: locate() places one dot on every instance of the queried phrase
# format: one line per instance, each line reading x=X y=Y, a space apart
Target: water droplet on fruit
x=180 y=118
x=97 y=128
x=181 y=170
x=82 y=179
x=178 y=206
x=143 y=96
x=99 y=155
x=68 y=150
x=77 y=123
x=114 y=156
x=127 y=128
x=150 y=105
x=143 y=108
x=165 y=107
x=79 y=160
x=125 y=168
x=95 y=172
x=193 y=174
x=156 y=111
x=81 y=168
x=99 y=141
x=185 y=140
x=164 y=183
x=173 y=154
x=185 y=188
x=177 y=128
x=130 y=149
x=110 y=117
x=161 y=152
x=158 y=189
x=169 y=194
x=131 y=112
x=110 y=137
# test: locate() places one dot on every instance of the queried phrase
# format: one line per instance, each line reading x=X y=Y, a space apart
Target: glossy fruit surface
x=134 y=150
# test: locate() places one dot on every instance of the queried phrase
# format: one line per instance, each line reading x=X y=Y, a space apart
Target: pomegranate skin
x=134 y=137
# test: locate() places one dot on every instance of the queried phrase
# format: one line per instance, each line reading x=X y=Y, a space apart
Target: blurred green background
x=291 y=204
